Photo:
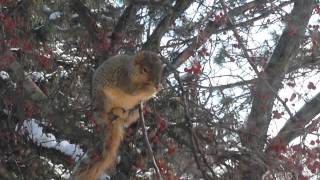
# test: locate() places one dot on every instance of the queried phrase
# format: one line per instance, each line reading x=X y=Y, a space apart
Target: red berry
x=312 y=142
x=171 y=150
x=162 y=124
x=311 y=86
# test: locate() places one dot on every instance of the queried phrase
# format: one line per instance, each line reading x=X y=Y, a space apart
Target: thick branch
x=267 y=88
x=127 y=17
x=153 y=42
x=32 y=90
x=304 y=62
x=35 y=94
x=87 y=18
x=295 y=126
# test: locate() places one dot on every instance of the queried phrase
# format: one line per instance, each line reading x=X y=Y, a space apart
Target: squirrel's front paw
x=118 y=113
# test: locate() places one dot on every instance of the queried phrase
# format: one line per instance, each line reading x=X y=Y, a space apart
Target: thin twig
x=194 y=141
x=145 y=134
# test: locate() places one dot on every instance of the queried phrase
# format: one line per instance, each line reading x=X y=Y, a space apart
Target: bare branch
x=249 y=59
x=194 y=141
x=295 y=126
x=125 y=19
x=286 y=49
x=88 y=19
x=32 y=90
x=38 y=97
x=145 y=134
x=214 y=28
x=153 y=42
x=231 y=85
x=304 y=62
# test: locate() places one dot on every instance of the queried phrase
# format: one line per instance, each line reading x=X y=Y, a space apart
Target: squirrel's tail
x=106 y=159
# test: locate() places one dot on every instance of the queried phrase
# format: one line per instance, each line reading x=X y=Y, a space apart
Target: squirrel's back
x=111 y=72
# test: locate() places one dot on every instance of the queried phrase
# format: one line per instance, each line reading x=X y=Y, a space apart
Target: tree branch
x=125 y=19
x=304 y=62
x=41 y=101
x=231 y=85
x=295 y=126
x=89 y=21
x=87 y=18
x=153 y=42
x=217 y=27
x=5 y=174
x=145 y=134
x=194 y=141
x=266 y=90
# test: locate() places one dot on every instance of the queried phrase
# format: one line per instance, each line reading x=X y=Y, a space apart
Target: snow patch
x=55 y=15
x=49 y=140
x=46 y=9
x=74 y=15
x=37 y=76
x=4 y=75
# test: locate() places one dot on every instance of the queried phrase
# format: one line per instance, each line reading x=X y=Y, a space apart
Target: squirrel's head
x=149 y=68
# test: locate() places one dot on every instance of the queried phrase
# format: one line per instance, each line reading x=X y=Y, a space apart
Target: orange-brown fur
x=119 y=85
x=108 y=156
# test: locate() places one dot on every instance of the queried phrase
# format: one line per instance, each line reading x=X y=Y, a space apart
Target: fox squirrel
x=118 y=86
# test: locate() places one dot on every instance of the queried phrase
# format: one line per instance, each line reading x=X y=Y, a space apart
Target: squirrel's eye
x=145 y=70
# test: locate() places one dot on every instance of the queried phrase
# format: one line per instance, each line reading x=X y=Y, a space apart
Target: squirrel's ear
x=138 y=58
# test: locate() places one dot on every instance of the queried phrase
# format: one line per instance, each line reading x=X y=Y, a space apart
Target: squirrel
x=118 y=86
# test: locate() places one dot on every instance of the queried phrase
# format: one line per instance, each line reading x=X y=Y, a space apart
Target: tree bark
x=270 y=81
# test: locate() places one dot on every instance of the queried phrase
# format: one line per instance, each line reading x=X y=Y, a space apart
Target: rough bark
x=296 y=125
x=270 y=81
x=153 y=42
x=271 y=78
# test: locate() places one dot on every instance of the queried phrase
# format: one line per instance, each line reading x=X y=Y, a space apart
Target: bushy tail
x=105 y=160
